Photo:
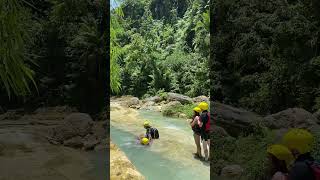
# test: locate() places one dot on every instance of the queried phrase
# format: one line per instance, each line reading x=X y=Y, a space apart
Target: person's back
x=301 y=169
x=151 y=132
x=205 y=127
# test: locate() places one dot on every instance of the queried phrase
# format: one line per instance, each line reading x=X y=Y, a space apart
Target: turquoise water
x=169 y=157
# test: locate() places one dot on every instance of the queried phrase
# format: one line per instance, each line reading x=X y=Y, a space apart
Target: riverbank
x=26 y=153
x=169 y=104
x=120 y=166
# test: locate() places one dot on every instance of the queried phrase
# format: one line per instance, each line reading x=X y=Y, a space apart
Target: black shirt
x=301 y=170
x=204 y=119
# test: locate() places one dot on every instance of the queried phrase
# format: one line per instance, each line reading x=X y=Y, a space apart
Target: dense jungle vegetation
x=54 y=52
x=265 y=58
x=160 y=46
x=265 y=54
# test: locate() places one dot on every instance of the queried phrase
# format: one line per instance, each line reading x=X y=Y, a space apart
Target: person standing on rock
x=196 y=131
x=204 y=124
x=280 y=158
x=300 y=143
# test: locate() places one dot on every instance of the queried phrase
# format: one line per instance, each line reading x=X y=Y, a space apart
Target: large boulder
x=155 y=99
x=234 y=120
x=200 y=99
x=75 y=142
x=133 y=101
x=292 y=118
x=75 y=124
x=90 y=141
x=179 y=97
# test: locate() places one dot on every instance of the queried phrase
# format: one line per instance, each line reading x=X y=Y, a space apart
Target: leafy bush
x=249 y=152
x=186 y=109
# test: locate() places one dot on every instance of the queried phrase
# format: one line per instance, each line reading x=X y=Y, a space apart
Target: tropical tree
x=115 y=50
x=15 y=61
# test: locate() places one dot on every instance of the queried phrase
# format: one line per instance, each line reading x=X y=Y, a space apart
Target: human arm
x=194 y=121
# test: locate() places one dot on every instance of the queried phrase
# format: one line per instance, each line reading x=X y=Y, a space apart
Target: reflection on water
x=171 y=155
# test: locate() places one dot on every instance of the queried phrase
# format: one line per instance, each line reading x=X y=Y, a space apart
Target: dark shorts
x=197 y=133
x=205 y=136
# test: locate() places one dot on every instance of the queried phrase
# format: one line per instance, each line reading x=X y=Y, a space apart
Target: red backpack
x=315 y=166
x=208 y=122
x=206 y=127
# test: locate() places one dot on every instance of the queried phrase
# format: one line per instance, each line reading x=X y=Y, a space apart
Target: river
x=169 y=157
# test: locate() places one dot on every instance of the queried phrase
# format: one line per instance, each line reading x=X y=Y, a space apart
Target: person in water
x=204 y=125
x=300 y=143
x=144 y=141
x=151 y=132
x=196 y=130
x=280 y=159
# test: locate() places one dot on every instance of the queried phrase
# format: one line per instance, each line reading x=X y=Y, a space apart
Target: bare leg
x=205 y=148
x=209 y=147
x=197 y=141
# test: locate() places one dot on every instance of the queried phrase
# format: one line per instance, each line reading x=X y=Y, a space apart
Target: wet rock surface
x=28 y=154
x=78 y=130
x=120 y=166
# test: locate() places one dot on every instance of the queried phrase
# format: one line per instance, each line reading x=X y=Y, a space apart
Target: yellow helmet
x=144 y=141
x=146 y=124
x=281 y=152
x=203 y=106
x=197 y=109
x=298 y=139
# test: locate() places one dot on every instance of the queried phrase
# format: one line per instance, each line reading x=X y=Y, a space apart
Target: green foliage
x=158 y=52
x=174 y=111
x=15 y=61
x=115 y=50
x=265 y=55
x=60 y=45
x=249 y=152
